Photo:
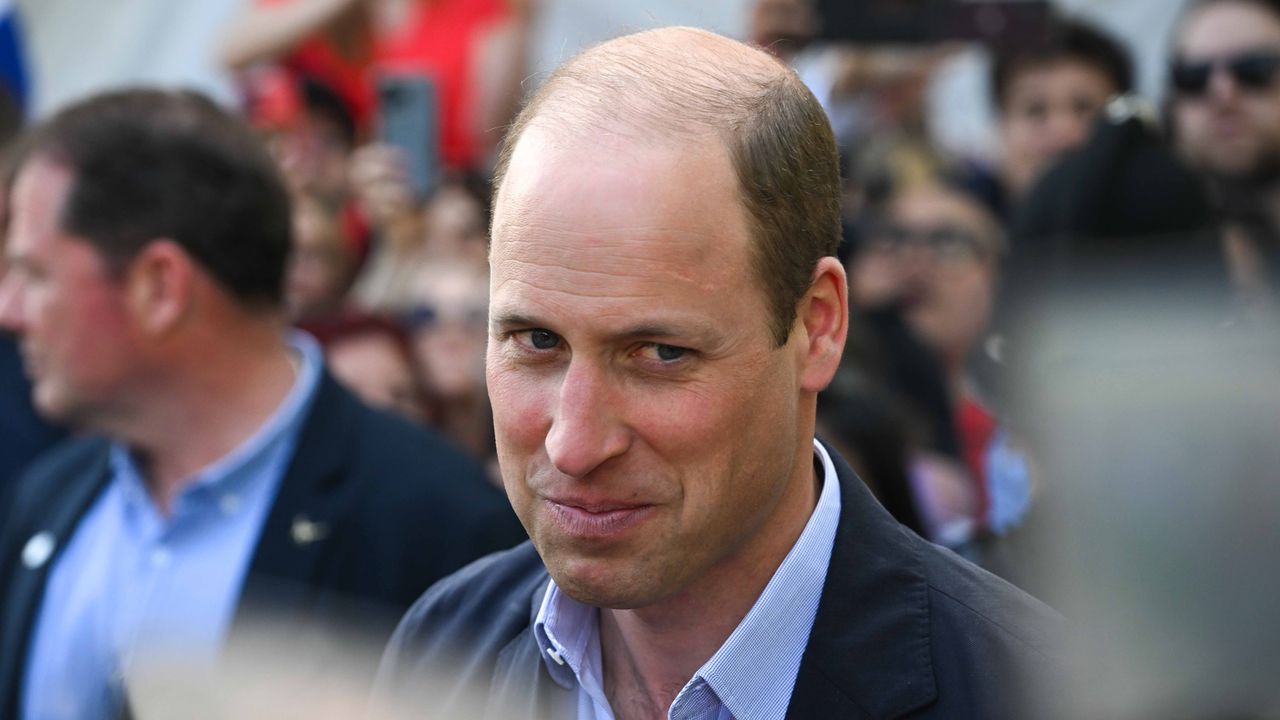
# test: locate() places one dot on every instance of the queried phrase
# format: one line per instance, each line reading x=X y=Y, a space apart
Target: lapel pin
x=38 y=549
x=305 y=532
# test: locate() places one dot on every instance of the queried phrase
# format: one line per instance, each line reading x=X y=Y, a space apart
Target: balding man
x=665 y=306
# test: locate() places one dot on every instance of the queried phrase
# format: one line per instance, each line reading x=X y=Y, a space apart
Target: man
x=1226 y=121
x=1047 y=96
x=665 y=306
x=233 y=476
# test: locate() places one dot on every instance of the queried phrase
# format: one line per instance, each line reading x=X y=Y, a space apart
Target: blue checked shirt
x=752 y=674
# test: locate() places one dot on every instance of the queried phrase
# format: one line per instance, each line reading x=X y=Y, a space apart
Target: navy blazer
x=904 y=629
x=370 y=512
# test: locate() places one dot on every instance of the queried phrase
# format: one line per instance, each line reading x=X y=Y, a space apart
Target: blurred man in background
x=1047 y=95
x=1226 y=122
x=231 y=476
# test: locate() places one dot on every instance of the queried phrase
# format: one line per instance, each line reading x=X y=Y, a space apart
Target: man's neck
x=648 y=654
x=209 y=409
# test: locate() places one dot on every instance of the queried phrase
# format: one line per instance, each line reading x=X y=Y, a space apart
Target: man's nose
x=10 y=304
x=1067 y=132
x=1222 y=86
x=586 y=429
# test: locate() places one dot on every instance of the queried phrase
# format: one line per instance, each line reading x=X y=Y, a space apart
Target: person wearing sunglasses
x=1226 y=101
x=1225 y=115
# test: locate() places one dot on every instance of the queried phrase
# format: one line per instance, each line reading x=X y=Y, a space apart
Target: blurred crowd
x=956 y=259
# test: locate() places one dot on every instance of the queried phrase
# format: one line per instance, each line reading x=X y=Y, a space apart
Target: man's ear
x=824 y=315
x=160 y=283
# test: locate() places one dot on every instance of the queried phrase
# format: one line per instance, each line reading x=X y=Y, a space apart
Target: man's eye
x=543 y=339
x=665 y=353
x=1036 y=110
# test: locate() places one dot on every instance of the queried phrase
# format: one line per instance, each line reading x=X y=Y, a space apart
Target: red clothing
x=975 y=427
x=439 y=41
x=351 y=79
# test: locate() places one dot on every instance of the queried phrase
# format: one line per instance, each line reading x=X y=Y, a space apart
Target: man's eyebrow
x=513 y=319
x=652 y=330
x=646 y=330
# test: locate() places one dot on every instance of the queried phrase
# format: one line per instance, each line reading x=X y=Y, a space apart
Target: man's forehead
x=603 y=189
x=39 y=188
x=1229 y=26
x=619 y=239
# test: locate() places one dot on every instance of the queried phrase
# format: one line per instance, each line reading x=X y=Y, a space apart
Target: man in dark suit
x=232 y=483
x=665 y=306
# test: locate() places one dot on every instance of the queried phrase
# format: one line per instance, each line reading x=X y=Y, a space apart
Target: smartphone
x=409 y=119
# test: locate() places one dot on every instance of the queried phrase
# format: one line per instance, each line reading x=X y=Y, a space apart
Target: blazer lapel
x=37 y=546
x=869 y=650
x=522 y=688
x=309 y=506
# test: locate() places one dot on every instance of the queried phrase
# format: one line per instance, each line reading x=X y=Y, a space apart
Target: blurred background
x=1060 y=230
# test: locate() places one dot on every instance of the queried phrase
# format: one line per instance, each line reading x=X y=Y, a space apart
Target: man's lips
x=595 y=518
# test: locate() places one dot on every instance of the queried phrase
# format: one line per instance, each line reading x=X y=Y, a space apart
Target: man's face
x=59 y=297
x=646 y=422
x=1047 y=111
x=936 y=255
x=1229 y=127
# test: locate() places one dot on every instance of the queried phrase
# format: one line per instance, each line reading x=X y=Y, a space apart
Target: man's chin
x=49 y=404
x=1243 y=170
x=603 y=584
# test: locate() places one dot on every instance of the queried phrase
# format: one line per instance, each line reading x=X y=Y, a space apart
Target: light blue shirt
x=752 y=674
x=135 y=591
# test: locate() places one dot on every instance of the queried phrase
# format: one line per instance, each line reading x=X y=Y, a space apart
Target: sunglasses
x=1250 y=70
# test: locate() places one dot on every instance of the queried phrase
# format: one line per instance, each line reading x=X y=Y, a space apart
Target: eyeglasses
x=1253 y=70
x=947 y=242
x=425 y=317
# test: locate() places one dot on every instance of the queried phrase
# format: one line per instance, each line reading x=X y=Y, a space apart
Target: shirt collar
x=755 y=669
x=233 y=471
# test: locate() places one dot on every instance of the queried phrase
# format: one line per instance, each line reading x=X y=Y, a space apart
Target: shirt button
x=555 y=655
x=161 y=557
x=230 y=504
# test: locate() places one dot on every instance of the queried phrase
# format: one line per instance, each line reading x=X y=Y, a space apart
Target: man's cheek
x=521 y=413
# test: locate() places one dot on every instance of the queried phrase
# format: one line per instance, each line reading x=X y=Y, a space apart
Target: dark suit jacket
x=370 y=512
x=904 y=629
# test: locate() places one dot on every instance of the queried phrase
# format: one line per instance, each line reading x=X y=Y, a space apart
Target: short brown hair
x=151 y=164
x=779 y=140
